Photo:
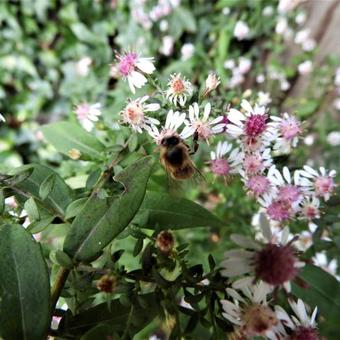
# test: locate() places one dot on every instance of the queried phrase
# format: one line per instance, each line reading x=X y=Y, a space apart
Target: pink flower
x=241 y=30
x=87 y=114
x=132 y=67
x=258 y=185
x=321 y=183
x=224 y=166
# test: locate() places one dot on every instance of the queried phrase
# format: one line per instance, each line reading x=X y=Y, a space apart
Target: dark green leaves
x=66 y=136
x=117 y=317
x=24 y=286
x=102 y=219
x=322 y=290
x=164 y=211
x=39 y=182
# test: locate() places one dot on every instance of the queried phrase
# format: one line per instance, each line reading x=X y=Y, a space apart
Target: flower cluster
x=248 y=140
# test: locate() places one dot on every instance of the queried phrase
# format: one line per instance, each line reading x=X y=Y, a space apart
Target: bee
x=175 y=157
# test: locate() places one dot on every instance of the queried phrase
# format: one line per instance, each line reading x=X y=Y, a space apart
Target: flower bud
x=211 y=83
x=165 y=241
x=107 y=283
x=74 y=154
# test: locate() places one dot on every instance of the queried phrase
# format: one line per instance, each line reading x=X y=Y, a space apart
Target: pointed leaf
x=103 y=219
x=60 y=196
x=165 y=211
x=65 y=136
x=47 y=186
x=24 y=286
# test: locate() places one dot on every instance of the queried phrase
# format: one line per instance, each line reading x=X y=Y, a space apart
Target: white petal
x=244 y=241
x=235 y=117
x=152 y=107
x=246 y=106
x=145 y=65
x=206 y=113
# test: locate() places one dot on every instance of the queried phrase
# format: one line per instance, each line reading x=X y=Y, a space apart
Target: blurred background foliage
x=55 y=54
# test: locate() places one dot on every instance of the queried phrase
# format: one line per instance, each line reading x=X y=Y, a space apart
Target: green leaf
x=60 y=196
x=75 y=207
x=38 y=226
x=323 y=291
x=115 y=315
x=65 y=136
x=101 y=220
x=165 y=211
x=32 y=209
x=63 y=259
x=2 y=201
x=47 y=186
x=24 y=286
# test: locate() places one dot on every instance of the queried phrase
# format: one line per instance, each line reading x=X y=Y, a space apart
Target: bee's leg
x=195 y=144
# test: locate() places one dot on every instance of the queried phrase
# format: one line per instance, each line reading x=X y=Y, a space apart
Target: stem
x=58 y=286
x=128 y=323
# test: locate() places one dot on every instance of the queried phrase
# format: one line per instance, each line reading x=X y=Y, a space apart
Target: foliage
x=94 y=203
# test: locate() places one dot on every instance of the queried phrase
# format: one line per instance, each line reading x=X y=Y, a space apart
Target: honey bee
x=175 y=157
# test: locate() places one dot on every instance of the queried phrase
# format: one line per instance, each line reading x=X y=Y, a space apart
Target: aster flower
x=257 y=185
x=288 y=188
x=222 y=166
x=87 y=114
x=133 y=113
x=173 y=121
x=272 y=261
x=202 y=125
x=241 y=30
x=251 y=313
x=256 y=162
x=179 y=89
x=300 y=325
x=320 y=183
x=310 y=208
x=252 y=127
x=288 y=129
x=132 y=67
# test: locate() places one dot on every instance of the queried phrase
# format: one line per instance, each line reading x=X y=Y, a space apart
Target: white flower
x=300 y=323
x=320 y=184
x=133 y=113
x=163 y=25
x=281 y=25
x=244 y=65
x=268 y=11
x=251 y=313
x=132 y=67
x=179 y=89
x=310 y=208
x=336 y=104
x=229 y=64
x=309 y=45
x=2 y=118
x=300 y=18
x=83 y=66
x=241 y=30
x=337 y=77
x=173 y=121
x=201 y=125
x=333 y=138
x=305 y=67
x=301 y=36
x=260 y=78
x=87 y=114
x=263 y=98
x=167 y=45
x=187 y=51
x=286 y=6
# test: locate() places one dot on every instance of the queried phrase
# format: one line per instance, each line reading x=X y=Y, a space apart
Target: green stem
x=58 y=286
x=128 y=323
